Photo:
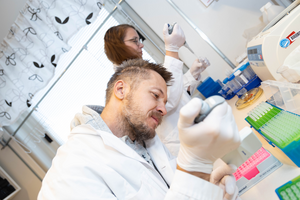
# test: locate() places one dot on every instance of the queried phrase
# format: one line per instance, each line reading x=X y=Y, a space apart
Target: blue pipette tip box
x=289 y=190
x=292 y=150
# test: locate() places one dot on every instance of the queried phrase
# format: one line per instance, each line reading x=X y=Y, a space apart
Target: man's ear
x=120 y=89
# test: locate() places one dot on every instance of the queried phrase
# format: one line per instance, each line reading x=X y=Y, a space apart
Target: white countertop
x=265 y=189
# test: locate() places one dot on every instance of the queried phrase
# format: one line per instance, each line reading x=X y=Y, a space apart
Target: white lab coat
x=177 y=98
x=95 y=164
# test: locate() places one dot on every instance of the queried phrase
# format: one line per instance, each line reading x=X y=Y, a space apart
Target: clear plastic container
x=240 y=77
x=247 y=71
x=236 y=86
x=284 y=95
x=270 y=11
x=226 y=91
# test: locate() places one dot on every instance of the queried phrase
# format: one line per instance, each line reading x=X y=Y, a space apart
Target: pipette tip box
x=256 y=168
x=289 y=190
x=279 y=127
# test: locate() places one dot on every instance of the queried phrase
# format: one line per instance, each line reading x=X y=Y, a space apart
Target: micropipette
x=249 y=141
x=170 y=30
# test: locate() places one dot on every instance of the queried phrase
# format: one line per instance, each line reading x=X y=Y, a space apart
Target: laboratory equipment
x=290 y=70
x=247 y=71
x=248 y=98
x=278 y=127
x=170 y=29
x=226 y=92
x=283 y=94
x=235 y=86
x=209 y=87
x=289 y=190
x=249 y=142
x=268 y=50
x=207 y=106
x=240 y=78
x=260 y=165
x=270 y=11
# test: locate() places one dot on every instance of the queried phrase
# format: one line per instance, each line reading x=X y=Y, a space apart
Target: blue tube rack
x=292 y=150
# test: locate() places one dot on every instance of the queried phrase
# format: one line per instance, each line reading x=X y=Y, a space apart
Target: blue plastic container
x=209 y=87
x=226 y=92
x=292 y=150
x=247 y=71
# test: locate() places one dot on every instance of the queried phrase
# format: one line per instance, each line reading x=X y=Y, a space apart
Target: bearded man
x=114 y=153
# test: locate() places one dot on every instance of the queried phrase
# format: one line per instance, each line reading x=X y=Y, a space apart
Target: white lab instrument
x=250 y=143
x=290 y=69
x=268 y=50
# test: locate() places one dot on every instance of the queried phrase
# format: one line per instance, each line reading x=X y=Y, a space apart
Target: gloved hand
x=201 y=144
x=199 y=65
x=222 y=176
x=175 y=40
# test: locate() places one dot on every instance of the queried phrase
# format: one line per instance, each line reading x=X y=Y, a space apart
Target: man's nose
x=162 y=108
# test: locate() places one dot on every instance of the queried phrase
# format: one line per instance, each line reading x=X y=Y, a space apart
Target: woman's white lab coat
x=95 y=164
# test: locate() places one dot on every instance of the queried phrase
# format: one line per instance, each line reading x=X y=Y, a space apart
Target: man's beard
x=133 y=122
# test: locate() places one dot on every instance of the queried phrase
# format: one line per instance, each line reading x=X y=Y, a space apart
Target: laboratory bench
x=265 y=189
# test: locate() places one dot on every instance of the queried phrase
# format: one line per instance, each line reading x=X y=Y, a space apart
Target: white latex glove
x=201 y=144
x=222 y=176
x=199 y=65
x=174 y=41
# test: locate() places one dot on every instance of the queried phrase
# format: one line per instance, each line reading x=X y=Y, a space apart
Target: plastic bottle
x=240 y=77
x=226 y=92
x=228 y=72
x=236 y=86
x=270 y=11
x=247 y=71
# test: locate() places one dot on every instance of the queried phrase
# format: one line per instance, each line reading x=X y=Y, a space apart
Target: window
x=84 y=82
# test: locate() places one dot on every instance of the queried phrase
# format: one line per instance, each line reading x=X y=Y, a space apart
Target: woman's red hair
x=114 y=46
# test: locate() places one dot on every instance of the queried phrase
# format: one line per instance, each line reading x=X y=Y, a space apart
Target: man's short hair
x=133 y=72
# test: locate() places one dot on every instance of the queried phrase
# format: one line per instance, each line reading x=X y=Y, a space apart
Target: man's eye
x=156 y=96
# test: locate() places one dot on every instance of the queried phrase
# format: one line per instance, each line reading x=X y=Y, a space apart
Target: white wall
x=224 y=22
x=9 y=11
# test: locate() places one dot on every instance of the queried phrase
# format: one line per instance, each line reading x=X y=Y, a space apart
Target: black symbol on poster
x=35 y=77
x=28 y=103
x=5 y=114
x=52 y=61
x=11 y=60
x=9 y=104
x=37 y=65
x=34 y=13
x=88 y=18
x=62 y=22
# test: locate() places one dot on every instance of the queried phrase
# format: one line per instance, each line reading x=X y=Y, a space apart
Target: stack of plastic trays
x=283 y=94
x=257 y=167
x=278 y=127
x=261 y=114
x=290 y=190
